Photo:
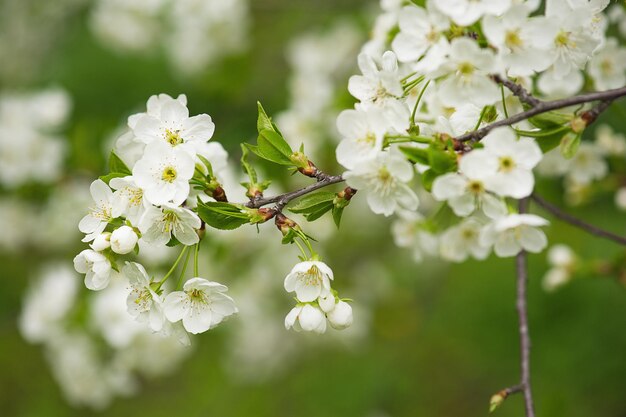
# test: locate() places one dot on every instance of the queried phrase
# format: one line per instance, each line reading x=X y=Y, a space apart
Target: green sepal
x=172 y=243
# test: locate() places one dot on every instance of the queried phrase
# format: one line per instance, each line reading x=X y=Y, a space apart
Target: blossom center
x=169 y=174
x=475 y=187
x=466 y=68
x=564 y=39
x=173 y=137
x=368 y=139
x=197 y=296
x=506 y=164
x=512 y=39
x=312 y=277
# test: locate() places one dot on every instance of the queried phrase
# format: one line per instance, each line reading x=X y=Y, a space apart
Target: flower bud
x=327 y=303
x=312 y=319
x=101 y=242
x=341 y=316
x=123 y=240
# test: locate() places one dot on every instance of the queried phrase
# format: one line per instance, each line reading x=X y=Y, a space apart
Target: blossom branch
x=282 y=200
x=606 y=97
x=521 y=266
x=519 y=91
x=574 y=221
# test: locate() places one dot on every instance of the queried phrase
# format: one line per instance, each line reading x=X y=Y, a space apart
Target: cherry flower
x=463 y=240
x=363 y=133
x=123 y=240
x=99 y=216
x=201 y=305
x=170 y=123
x=307 y=317
x=420 y=30
x=340 y=317
x=159 y=224
x=515 y=232
x=164 y=173
x=607 y=68
x=466 y=12
x=384 y=181
x=95 y=266
x=128 y=199
x=309 y=280
x=376 y=87
x=513 y=160
x=142 y=302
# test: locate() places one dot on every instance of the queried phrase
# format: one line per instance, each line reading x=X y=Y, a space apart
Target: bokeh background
x=430 y=338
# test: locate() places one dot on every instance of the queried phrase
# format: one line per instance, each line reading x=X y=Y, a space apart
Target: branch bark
x=518 y=90
x=282 y=200
x=574 y=221
x=521 y=266
x=544 y=107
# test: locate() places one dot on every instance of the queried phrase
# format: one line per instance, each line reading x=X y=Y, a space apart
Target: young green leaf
x=247 y=168
x=310 y=201
x=569 y=144
x=415 y=155
x=117 y=165
x=263 y=121
x=441 y=161
x=337 y=213
x=221 y=215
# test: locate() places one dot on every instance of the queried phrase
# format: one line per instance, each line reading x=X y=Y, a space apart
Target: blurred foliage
x=441 y=344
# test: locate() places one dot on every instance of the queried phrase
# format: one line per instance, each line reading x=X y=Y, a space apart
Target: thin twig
x=522 y=312
x=282 y=200
x=518 y=90
x=543 y=107
x=574 y=221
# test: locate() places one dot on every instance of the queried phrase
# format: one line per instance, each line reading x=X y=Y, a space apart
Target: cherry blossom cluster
x=104 y=357
x=164 y=187
x=147 y=197
x=431 y=74
x=194 y=33
x=31 y=150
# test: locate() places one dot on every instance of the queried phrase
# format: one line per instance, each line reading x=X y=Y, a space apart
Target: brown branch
x=519 y=91
x=543 y=107
x=574 y=221
x=282 y=200
x=521 y=266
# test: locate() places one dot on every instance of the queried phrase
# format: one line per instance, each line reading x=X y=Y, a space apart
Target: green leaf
x=415 y=155
x=441 y=161
x=550 y=120
x=569 y=144
x=207 y=164
x=427 y=179
x=108 y=177
x=263 y=122
x=247 y=168
x=318 y=211
x=310 y=201
x=337 y=213
x=224 y=216
x=276 y=140
x=117 y=165
x=549 y=142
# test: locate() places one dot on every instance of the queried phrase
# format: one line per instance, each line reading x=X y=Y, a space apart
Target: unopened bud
x=285 y=224
x=310 y=170
x=490 y=114
x=123 y=240
x=341 y=316
x=261 y=215
x=101 y=242
x=578 y=124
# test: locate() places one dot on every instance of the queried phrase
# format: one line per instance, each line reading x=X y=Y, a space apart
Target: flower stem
x=182 y=273
x=195 y=260
x=173 y=267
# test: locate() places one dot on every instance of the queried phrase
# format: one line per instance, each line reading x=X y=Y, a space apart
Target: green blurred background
x=442 y=339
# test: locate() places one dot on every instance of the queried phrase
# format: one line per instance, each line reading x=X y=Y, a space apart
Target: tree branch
x=282 y=200
x=574 y=221
x=544 y=107
x=518 y=90
x=521 y=267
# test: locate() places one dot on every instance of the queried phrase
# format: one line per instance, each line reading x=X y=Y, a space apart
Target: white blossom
x=513 y=233
x=97 y=268
x=99 y=215
x=363 y=133
x=164 y=173
x=201 y=305
x=376 y=87
x=143 y=303
x=459 y=242
x=128 y=199
x=340 y=317
x=309 y=280
x=306 y=317
x=159 y=224
x=466 y=12
x=384 y=181
x=607 y=68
